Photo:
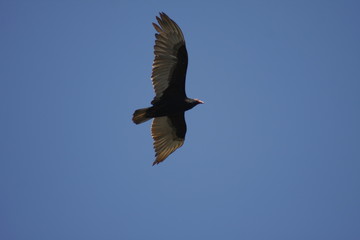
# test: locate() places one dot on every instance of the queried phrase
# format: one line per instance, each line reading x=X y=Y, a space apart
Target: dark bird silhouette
x=168 y=78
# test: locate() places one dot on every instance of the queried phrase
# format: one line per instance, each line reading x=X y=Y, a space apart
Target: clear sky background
x=273 y=154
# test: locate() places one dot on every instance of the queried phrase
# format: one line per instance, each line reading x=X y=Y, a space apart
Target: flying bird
x=168 y=78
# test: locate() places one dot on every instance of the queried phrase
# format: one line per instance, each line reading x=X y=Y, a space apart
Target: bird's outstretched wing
x=169 y=134
x=171 y=60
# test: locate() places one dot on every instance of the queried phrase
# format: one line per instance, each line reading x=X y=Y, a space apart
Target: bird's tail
x=139 y=116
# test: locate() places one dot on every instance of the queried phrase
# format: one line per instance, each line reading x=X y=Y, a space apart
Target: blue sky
x=273 y=154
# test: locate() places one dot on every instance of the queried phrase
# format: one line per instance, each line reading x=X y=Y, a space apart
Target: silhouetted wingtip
x=163 y=15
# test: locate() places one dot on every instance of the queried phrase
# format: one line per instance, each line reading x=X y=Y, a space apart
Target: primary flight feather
x=168 y=78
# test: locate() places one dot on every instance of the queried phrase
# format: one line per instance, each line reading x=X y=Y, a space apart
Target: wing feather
x=170 y=58
x=169 y=134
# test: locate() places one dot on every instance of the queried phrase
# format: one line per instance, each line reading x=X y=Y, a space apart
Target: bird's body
x=168 y=77
x=164 y=108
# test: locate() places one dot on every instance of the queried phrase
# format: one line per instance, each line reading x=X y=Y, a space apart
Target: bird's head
x=198 y=101
x=192 y=103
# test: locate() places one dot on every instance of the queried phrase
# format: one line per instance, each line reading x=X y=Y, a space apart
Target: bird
x=168 y=76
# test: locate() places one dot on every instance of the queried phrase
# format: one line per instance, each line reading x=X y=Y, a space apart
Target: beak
x=199 y=101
